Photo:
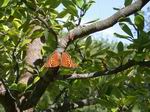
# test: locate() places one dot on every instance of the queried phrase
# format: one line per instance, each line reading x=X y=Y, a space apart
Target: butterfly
x=60 y=59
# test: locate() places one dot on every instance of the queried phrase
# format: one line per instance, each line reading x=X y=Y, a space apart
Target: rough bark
x=34 y=54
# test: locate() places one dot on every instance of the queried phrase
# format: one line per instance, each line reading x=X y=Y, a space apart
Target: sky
x=103 y=9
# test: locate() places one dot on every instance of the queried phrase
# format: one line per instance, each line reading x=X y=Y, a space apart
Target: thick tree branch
x=33 y=54
x=40 y=88
x=121 y=68
x=101 y=25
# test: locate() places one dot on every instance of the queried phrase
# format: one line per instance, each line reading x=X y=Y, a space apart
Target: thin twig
x=7 y=89
x=38 y=10
x=16 y=66
x=116 y=70
x=48 y=27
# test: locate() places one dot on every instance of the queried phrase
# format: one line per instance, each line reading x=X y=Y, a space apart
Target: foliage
x=21 y=21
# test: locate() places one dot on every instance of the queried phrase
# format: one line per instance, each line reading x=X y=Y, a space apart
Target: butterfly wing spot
x=66 y=61
x=53 y=60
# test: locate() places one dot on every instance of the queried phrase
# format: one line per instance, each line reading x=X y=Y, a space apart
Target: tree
x=108 y=78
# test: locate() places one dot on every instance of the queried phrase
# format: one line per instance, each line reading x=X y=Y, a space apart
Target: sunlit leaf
x=53 y=3
x=127 y=2
x=79 y=2
x=5 y=2
x=26 y=41
x=139 y=21
x=36 y=79
x=70 y=7
x=87 y=5
x=17 y=23
x=5 y=27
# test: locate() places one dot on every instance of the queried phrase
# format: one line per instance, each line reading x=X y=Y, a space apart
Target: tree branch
x=72 y=105
x=101 y=25
x=39 y=89
x=32 y=55
x=15 y=60
x=6 y=98
x=121 y=68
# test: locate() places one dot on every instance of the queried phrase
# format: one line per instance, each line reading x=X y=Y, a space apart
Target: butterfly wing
x=66 y=61
x=53 y=60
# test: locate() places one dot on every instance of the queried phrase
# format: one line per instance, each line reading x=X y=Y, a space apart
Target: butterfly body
x=58 y=59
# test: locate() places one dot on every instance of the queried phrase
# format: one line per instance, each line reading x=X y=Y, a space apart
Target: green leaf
x=112 y=54
x=116 y=92
x=88 y=5
x=79 y=3
x=120 y=47
x=25 y=25
x=139 y=21
x=6 y=28
x=139 y=57
x=115 y=8
x=4 y=3
x=50 y=41
x=18 y=87
x=130 y=99
x=6 y=38
x=121 y=36
x=57 y=27
x=26 y=41
x=53 y=3
x=21 y=87
x=88 y=42
x=126 y=29
x=54 y=14
x=127 y=19
x=62 y=14
x=136 y=108
x=17 y=23
x=127 y=2
x=36 y=79
x=70 y=7
x=13 y=86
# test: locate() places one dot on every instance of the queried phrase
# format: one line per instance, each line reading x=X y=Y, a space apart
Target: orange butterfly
x=53 y=61
x=60 y=59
